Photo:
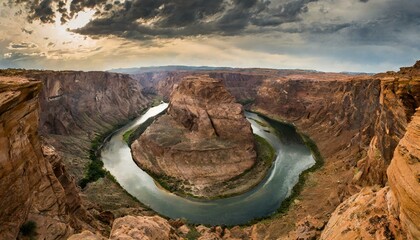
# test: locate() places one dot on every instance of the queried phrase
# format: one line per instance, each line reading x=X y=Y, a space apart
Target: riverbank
x=262 y=200
x=232 y=187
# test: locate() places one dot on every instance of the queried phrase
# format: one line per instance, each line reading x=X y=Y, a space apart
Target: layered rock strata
x=34 y=184
x=203 y=141
x=77 y=110
x=391 y=212
x=355 y=120
x=404 y=178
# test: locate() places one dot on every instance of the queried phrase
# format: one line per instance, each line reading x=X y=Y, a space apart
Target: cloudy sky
x=326 y=35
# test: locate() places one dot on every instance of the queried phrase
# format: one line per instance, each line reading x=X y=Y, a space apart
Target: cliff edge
x=35 y=189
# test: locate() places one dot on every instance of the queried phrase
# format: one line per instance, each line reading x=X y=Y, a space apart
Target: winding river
x=293 y=157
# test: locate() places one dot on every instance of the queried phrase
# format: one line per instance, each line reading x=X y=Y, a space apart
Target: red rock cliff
x=33 y=186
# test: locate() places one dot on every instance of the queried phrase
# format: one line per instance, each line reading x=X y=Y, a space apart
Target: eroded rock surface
x=356 y=122
x=365 y=215
x=34 y=184
x=202 y=142
x=147 y=228
x=391 y=212
x=404 y=178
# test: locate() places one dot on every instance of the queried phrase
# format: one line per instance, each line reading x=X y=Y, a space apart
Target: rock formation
x=78 y=109
x=203 y=141
x=404 y=178
x=391 y=212
x=365 y=215
x=355 y=120
x=34 y=185
x=148 y=228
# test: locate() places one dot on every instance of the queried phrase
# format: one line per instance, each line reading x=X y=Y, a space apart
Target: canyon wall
x=34 y=184
x=75 y=108
x=355 y=120
x=391 y=212
x=78 y=107
x=404 y=178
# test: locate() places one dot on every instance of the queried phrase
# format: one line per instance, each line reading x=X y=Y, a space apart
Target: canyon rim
x=255 y=119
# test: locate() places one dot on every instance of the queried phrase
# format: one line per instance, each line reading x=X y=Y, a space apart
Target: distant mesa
x=203 y=141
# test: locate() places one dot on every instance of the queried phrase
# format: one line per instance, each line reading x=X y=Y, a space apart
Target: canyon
x=365 y=127
x=196 y=143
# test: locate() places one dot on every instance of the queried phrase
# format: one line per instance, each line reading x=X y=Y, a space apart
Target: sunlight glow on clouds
x=339 y=35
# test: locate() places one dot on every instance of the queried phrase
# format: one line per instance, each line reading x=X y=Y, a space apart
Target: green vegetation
x=193 y=234
x=131 y=135
x=246 y=101
x=265 y=152
x=169 y=183
x=286 y=129
x=28 y=229
x=95 y=170
x=127 y=135
x=157 y=100
x=260 y=123
x=297 y=189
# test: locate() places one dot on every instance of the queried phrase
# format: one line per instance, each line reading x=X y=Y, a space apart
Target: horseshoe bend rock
x=203 y=141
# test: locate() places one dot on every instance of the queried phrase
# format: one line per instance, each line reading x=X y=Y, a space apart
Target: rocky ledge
x=202 y=145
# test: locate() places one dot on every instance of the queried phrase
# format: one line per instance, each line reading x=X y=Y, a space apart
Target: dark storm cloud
x=398 y=23
x=282 y=13
x=147 y=19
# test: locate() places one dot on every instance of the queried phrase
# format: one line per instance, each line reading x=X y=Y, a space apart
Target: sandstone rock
x=152 y=228
x=28 y=183
x=86 y=235
x=214 y=233
x=308 y=228
x=203 y=141
x=76 y=107
x=404 y=178
x=356 y=122
x=184 y=229
x=389 y=213
x=35 y=185
x=365 y=215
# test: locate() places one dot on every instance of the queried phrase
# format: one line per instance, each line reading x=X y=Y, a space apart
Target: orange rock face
x=404 y=178
x=197 y=141
x=34 y=184
x=28 y=184
x=147 y=228
x=365 y=215
x=389 y=213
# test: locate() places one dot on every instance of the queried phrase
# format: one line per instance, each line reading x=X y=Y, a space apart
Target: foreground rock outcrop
x=391 y=212
x=202 y=142
x=404 y=178
x=366 y=215
x=77 y=110
x=34 y=187
x=153 y=228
